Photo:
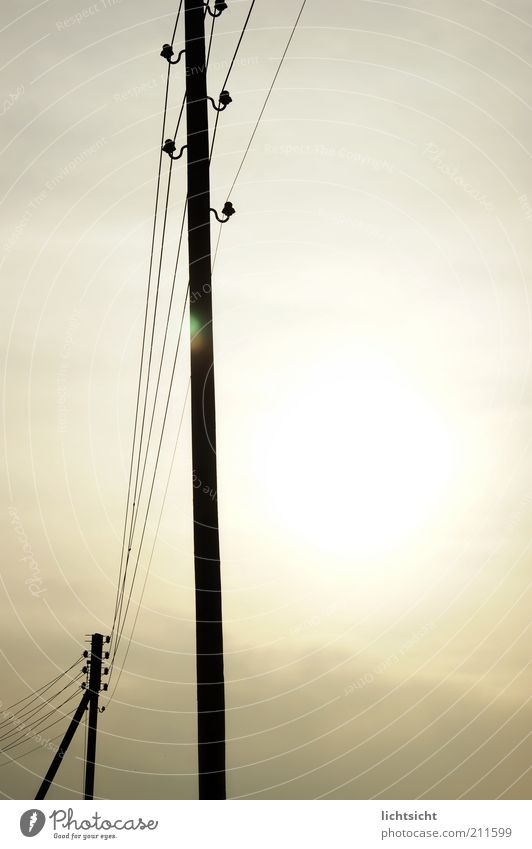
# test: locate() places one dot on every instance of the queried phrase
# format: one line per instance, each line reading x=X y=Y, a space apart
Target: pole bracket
x=168 y=51
x=224 y=100
x=170 y=148
x=219 y=7
x=228 y=211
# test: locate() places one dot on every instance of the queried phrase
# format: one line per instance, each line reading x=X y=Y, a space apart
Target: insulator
x=220 y=6
x=169 y=147
x=167 y=52
x=225 y=98
x=108 y=639
x=85 y=669
x=228 y=209
x=85 y=653
x=106 y=671
x=105 y=686
x=83 y=685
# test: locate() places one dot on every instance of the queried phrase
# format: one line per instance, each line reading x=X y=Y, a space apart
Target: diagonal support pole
x=65 y=743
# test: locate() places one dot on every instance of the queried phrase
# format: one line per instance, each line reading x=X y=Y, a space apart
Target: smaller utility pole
x=95 y=681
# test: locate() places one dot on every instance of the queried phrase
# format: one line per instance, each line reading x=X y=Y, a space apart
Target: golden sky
x=372 y=335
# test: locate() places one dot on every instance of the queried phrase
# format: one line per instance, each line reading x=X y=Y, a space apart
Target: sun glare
x=355 y=460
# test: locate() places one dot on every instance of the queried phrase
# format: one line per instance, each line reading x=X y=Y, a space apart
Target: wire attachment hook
x=224 y=100
x=170 y=148
x=228 y=211
x=219 y=7
x=168 y=51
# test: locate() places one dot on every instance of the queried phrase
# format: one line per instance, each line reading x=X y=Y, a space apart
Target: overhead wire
x=123 y=565
x=153 y=545
x=124 y=556
x=13 y=759
x=176 y=22
x=34 y=710
x=231 y=64
x=121 y=612
x=261 y=113
x=161 y=362
x=31 y=729
x=139 y=384
x=119 y=635
x=35 y=693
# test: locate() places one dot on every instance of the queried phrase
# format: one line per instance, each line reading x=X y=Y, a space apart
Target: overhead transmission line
x=29 y=730
x=121 y=578
x=13 y=759
x=237 y=48
x=142 y=454
x=119 y=635
x=139 y=603
x=261 y=113
x=26 y=715
x=35 y=694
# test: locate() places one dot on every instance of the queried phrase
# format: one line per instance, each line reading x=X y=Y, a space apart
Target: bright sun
x=353 y=461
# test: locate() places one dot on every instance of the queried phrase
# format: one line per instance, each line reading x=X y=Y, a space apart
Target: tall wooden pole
x=209 y=635
x=95 y=679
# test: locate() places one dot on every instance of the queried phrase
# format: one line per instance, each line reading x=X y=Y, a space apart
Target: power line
x=153 y=546
x=237 y=48
x=43 y=719
x=139 y=386
x=13 y=759
x=176 y=22
x=161 y=362
x=269 y=94
x=34 y=710
x=122 y=578
x=119 y=635
x=136 y=493
x=33 y=695
x=261 y=113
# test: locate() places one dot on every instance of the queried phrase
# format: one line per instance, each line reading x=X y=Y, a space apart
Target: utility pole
x=209 y=634
x=89 y=700
x=95 y=680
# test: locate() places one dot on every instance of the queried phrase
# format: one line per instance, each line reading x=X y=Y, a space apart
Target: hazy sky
x=373 y=340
